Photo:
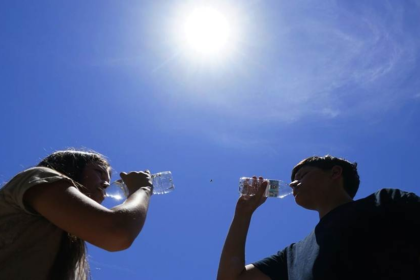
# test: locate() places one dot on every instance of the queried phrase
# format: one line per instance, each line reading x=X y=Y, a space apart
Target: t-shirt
x=29 y=243
x=377 y=237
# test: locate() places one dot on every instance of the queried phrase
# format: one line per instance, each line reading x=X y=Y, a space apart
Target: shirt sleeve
x=399 y=198
x=403 y=206
x=16 y=188
x=274 y=266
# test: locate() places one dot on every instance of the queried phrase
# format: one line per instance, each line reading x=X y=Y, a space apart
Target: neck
x=332 y=202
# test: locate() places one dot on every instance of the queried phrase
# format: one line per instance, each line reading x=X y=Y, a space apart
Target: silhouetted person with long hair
x=48 y=212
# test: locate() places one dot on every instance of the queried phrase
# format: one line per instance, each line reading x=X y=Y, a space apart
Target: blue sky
x=303 y=78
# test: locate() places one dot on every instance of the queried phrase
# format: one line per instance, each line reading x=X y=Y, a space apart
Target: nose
x=294 y=183
x=104 y=185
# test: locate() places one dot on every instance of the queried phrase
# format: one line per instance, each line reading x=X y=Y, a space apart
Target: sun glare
x=207 y=31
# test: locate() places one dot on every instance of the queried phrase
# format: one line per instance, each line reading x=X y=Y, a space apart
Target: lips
x=295 y=191
x=102 y=195
x=295 y=185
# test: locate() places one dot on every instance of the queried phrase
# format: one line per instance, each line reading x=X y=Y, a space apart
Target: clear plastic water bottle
x=162 y=184
x=275 y=188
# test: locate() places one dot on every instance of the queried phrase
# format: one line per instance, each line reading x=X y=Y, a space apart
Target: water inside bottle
x=117 y=190
x=275 y=188
x=114 y=196
x=162 y=182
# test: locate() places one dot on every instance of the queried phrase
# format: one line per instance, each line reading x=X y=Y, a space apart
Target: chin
x=297 y=200
x=302 y=202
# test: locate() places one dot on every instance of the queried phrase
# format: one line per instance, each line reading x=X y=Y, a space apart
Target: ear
x=336 y=172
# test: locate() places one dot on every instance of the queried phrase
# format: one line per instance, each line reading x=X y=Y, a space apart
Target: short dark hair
x=351 y=178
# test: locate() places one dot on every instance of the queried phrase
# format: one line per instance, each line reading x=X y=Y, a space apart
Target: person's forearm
x=132 y=214
x=232 y=261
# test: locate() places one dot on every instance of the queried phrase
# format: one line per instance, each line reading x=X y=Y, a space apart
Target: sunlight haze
x=207 y=31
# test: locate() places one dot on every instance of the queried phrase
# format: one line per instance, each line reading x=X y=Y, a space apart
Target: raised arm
x=111 y=229
x=232 y=262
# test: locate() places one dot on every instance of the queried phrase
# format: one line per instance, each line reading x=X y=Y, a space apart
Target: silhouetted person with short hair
x=377 y=237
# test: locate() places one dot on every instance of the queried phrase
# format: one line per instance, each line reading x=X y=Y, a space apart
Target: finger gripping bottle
x=162 y=184
x=275 y=188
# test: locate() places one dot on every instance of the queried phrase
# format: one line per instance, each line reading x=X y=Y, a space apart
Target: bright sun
x=207 y=31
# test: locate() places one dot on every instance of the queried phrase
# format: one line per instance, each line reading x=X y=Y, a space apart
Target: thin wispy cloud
x=335 y=63
x=346 y=63
x=110 y=267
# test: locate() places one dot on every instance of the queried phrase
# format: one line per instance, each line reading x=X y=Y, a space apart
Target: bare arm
x=111 y=229
x=232 y=262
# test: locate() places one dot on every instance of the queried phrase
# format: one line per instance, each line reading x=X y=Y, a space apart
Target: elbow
x=119 y=231
x=117 y=247
x=118 y=241
x=122 y=235
x=115 y=238
x=112 y=242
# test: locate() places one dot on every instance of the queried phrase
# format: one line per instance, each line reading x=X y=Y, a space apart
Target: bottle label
x=273 y=188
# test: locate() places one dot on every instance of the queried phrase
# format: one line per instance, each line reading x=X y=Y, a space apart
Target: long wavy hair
x=71 y=261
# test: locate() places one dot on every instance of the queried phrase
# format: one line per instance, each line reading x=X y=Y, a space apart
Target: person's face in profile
x=95 y=179
x=310 y=186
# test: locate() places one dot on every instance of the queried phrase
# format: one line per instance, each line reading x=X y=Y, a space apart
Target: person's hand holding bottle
x=247 y=204
x=136 y=180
